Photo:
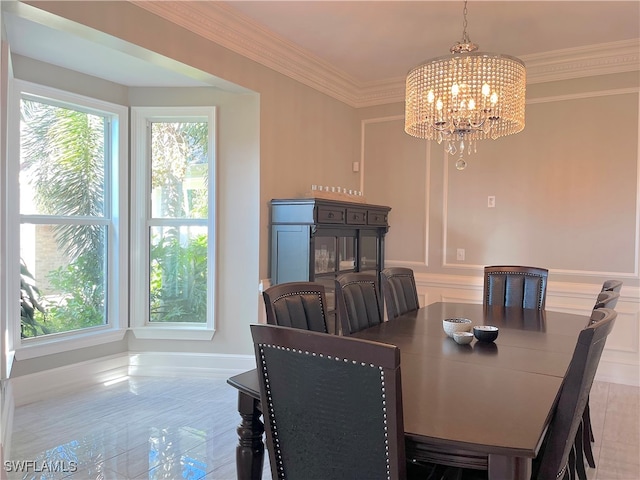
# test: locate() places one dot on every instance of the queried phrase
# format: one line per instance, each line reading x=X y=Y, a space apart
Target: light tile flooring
x=185 y=428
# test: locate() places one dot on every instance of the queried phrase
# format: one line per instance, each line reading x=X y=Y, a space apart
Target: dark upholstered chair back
x=298 y=305
x=332 y=405
x=607 y=299
x=399 y=289
x=554 y=459
x=515 y=286
x=612 y=286
x=358 y=301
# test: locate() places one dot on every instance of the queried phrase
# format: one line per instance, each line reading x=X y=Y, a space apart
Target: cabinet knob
x=330 y=215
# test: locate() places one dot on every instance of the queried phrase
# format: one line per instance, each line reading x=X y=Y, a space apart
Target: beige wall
x=566 y=191
x=306 y=137
x=274 y=143
x=565 y=188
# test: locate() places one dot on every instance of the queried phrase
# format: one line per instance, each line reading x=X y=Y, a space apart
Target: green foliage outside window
x=62 y=157
x=178 y=277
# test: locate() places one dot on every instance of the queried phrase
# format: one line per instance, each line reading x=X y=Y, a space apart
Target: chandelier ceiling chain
x=465 y=35
x=465 y=96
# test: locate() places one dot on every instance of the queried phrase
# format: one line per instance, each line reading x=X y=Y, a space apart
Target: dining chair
x=332 y=405
x=605 y=299
x=399 y=291
x=297 y=304
x=358 y=301
x=515 y=286
x=612 y=286
x=558 y=457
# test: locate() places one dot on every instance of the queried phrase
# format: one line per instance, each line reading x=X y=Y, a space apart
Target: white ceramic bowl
x=463 y=338
x=451 y=325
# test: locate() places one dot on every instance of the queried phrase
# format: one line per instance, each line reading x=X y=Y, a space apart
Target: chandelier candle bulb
x=465 y=96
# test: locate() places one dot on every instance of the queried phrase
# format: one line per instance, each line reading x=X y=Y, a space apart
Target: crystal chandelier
x=465 y=97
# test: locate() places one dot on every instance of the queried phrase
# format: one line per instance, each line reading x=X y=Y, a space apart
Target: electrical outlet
x=460 y=254
x=491 y=201
x=356 y=166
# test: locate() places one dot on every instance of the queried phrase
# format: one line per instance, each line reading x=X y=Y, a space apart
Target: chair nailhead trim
x=276 y=441
x=526 y=274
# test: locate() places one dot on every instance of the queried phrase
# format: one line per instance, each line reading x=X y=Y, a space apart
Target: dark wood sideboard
x=316 y=239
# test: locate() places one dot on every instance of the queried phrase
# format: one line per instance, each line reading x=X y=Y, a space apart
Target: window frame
x=116 y=220
x=141 y=118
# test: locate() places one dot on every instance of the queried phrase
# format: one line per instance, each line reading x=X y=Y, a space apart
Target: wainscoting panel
x=547 y=197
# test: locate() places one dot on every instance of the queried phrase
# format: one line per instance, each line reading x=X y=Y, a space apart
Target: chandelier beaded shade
x=465 y=97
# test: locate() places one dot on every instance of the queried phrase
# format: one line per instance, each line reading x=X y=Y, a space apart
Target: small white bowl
x=463 y=338
x=451 y=325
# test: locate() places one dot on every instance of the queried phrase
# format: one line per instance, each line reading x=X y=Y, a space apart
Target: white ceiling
x=373 y=41
x=82 y=50
x=360 y=43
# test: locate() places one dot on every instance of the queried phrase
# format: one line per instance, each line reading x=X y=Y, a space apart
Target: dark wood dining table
x=481 y=405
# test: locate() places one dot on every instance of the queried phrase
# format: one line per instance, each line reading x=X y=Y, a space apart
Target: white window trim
x=118 y=288
x=140 y=205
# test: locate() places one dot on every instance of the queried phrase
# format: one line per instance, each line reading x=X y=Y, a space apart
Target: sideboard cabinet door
x=316 y=240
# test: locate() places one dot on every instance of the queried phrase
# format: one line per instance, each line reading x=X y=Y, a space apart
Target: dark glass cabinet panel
x=325 y=255
x=369 y=254
x=316 y=239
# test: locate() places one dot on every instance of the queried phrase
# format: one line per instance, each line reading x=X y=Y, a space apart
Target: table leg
x=512 y=468
x=250 y=449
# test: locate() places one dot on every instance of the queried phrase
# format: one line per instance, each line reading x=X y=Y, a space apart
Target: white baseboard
x=7 y=407
x=618 y=373
x=58 y=381
x=169 y=364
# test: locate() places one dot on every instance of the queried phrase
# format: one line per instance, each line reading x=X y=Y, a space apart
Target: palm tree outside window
x=64 y=213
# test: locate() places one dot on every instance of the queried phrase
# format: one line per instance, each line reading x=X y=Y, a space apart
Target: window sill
x=173 y=332
x=39 y=347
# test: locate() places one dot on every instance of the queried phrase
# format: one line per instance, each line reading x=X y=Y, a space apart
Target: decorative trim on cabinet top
x=227 y=27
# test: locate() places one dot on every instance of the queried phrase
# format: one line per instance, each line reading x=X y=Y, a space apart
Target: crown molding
x=601 y=59
x=223 y=25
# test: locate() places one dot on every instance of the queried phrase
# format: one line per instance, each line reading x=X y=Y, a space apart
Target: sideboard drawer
x=377 y=217
x=356 y=216
x=331 y=215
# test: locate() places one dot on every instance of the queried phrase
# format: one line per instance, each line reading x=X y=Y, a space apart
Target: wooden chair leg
x=587 y=436
x=587 y=418
x=572 y=464
x=579 y=455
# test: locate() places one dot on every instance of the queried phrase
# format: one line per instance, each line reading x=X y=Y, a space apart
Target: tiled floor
x=169 y=428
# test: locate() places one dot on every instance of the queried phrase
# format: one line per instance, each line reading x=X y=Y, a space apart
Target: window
x=70 y=246
x=173 y=274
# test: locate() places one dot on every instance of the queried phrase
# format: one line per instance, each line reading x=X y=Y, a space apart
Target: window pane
x=62 y=282
x=179 y=172
x=62 y=161
x=178 y=274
